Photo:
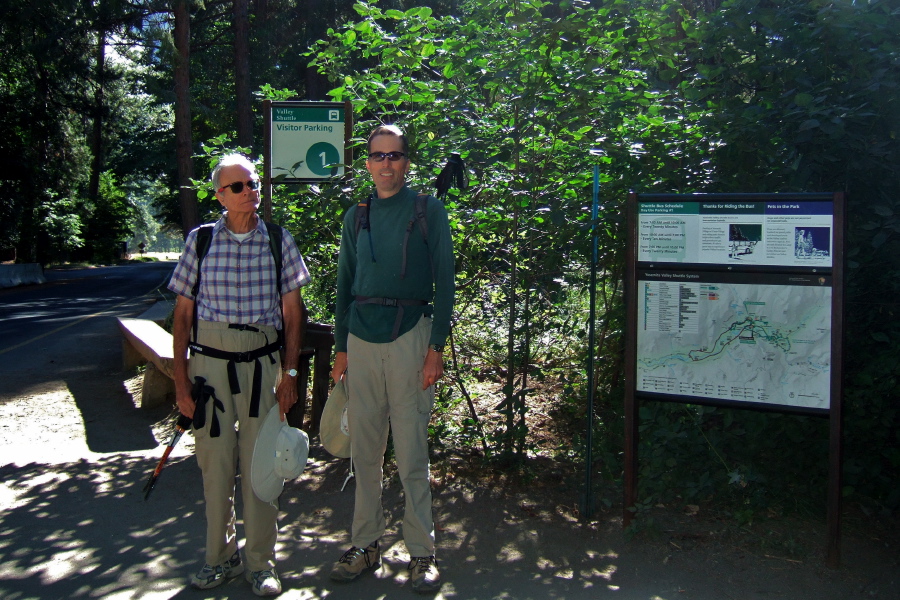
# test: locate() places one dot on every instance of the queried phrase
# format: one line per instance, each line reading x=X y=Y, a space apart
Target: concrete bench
x=158 y=312
x=143 y=341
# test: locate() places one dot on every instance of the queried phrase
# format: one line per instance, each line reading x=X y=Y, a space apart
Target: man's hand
x=184 y=398
x=286 y=393
x=340 y=366
x=433 y=369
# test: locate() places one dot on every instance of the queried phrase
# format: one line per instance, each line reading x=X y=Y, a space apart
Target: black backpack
x=362 y=222
x=204 y=240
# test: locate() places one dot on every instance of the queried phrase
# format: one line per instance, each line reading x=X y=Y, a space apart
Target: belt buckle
x=243 y=357
x=389 y=302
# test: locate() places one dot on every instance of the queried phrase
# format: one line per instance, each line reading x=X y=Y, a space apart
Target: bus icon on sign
x=334 y=115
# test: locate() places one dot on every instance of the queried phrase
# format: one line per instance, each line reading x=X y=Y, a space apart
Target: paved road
x=69 y=296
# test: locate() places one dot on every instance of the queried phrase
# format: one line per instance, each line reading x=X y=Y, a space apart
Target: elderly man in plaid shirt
x=234 y=374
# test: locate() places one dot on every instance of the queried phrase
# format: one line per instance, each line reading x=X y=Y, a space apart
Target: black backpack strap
x=203 y=242
x=421 y=205
x=397 y=302
x=418 y=216
x=275 y=237
x=362 y=222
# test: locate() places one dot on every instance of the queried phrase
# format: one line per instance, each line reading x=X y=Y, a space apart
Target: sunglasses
x=238 y=186
x=380 y=156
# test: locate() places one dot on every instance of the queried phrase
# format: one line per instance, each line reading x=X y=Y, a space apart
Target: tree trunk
x=317 y=15
x=97 y=141
x=187 y=196
x=243 y=97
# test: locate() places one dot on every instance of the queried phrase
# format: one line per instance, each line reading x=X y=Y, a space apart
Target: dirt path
x=75 y=452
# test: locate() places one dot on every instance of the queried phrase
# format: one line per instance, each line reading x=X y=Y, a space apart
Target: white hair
x=229 y=160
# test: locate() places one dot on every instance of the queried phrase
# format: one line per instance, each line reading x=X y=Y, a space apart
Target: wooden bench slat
x=151 y=340
x=158 y=312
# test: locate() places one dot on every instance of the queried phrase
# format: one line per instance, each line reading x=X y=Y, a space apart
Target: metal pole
x=588 y=509
x=835 y=414
x=267 y=161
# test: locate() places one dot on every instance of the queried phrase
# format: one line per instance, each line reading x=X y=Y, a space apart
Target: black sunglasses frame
x=238 y=186
x=391 y=156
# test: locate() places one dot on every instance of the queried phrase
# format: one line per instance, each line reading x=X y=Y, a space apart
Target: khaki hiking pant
x=384 y=388
x=220 y=456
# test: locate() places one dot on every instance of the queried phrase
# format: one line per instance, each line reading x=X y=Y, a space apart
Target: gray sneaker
x=211 y=576
x=424 y=574
x=265 y=583
x=355 y=561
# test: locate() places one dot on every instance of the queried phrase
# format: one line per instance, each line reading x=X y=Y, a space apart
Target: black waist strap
x=398 y=302
x=238 y=357
x=202 y=394
x=241 y=357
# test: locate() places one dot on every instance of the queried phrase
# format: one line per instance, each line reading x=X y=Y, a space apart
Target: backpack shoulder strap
x=418 y=217
x=362 y=214
x=203 y=242
x=362 y=222
x=421 y=218
x=275 y=237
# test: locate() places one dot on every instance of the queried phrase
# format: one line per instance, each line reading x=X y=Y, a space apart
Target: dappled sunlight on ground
x=26 y=423
x=83 y=525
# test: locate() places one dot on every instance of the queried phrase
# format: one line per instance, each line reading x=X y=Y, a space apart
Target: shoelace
x=353 y=553
x=421 y=563
x=262 y=575
x=208 y=568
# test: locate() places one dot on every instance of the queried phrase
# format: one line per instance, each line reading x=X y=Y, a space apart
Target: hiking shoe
x=424 y=574
x=265 y=583
x=355 y=561
x=211 y=576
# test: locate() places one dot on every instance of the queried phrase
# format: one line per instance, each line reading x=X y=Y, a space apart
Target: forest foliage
x=662 y=96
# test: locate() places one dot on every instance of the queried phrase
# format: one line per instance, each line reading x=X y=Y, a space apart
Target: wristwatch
x=291 y=372
x=436 y=347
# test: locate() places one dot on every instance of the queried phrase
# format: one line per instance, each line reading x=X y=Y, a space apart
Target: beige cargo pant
x=384 y=388
x=220 y=456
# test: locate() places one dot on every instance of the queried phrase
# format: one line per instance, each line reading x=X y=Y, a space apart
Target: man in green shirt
x=395 y=296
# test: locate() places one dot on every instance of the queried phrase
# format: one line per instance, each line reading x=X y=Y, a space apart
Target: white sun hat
x=280 y=453
x=333 y=429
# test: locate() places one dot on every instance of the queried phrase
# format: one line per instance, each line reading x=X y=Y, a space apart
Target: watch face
x=292 y=372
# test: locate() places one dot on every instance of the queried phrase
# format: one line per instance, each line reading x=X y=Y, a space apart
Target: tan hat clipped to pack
x=280 y=453
x=333 y=429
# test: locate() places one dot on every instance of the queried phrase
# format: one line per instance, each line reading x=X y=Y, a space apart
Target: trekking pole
x=180 y=427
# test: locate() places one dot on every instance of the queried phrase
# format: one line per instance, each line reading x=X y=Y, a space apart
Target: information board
x=763 y=339
x=778 y=232
x=736 y=300
x=307 y=140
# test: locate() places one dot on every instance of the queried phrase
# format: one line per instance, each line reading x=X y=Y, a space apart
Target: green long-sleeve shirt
x=370 y=263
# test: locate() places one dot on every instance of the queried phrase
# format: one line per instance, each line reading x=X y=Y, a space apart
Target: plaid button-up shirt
x=238 y=283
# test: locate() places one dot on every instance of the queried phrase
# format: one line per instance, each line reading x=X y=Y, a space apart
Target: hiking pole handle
x=181 y=426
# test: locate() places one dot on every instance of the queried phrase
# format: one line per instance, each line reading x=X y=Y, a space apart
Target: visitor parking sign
x=307 y=140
